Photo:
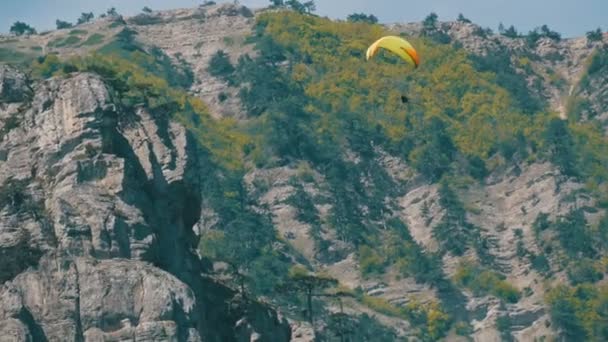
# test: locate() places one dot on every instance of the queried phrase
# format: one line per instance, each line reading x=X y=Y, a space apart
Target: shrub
x=143 y=19
x=462 y=19
x=220 y=65
x=94 y=39
x=369 y=261
x=63 y=24
x=65 y=42
x=78 y=32
x=85 y=18
x=540 y=263
x=595 y=36
x=362 y=18
x=483 y=282
x=222 y=97
x=561 y=146
x=511 y=32
x=430 y=22
x=584 y=271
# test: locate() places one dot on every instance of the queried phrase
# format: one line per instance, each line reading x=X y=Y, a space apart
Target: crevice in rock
x=162 y=122
x=79 y=330
x=18 y=257
x=180 y=318
x=108 y=131
x=35 y=329
x=121 y=232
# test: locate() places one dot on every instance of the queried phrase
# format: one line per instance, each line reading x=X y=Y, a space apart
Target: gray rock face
x=96 y=214
x=13 y=85
x=71 y=298
x=196 y=35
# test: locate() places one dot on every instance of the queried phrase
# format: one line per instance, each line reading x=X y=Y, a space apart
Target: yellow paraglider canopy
x=396 y=45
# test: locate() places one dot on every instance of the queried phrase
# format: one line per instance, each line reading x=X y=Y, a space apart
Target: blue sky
x=570 y=18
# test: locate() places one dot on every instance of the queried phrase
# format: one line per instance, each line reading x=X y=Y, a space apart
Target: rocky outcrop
x=96 y=217
x=193 y=36
x=75 y=298
x=13 y=85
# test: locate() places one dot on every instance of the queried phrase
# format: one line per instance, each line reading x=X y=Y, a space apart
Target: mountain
x=224 y=174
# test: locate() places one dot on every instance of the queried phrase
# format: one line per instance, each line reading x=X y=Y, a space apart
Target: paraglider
x=396 y=45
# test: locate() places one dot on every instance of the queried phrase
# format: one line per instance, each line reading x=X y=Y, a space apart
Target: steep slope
x=473 y=212
x=194 y=35
x=552 y=66
x=97 y=209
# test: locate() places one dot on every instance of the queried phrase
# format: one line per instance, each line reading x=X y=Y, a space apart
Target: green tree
x=511 y=32
x=501 y=28
x=584 y=271
x=310 y=284
x=595 y=35
x=220 y=65
x=431 y=30
x=306 y=210
x=62 y=24
x=561 y=146
x=85 y=18
x=362 y=18
x=603 y=232
x=462 y=19
x=563 y=314
x=574 y=234
x=476 y=167
x=239 y=243
x=532 y=38
x=306 y=7
x=277 y=3
x=20 y=28
x=433 y=159
x=454 y=232
x=309 y=6
x=340 y=323
x=546 y=32
x=430 y=22
x=111 y=12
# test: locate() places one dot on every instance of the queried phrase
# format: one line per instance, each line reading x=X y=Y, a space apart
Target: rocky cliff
x=96 y=235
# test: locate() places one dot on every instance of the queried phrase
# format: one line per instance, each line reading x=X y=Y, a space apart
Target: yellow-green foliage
x=209 y=243
x=10 y=55
x=78 y=32
x=592 y=147
x=51 y=66
x=382 y=306
x=369 y=261
x=138 y=86
x=70 y=40
x=591 y=143
x=483 y=282
x=580 y=312
x=431 y=319
x=336 y=74
x=94 y=39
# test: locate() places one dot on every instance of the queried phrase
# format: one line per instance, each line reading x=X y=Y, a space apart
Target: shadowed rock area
x=96 y=217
